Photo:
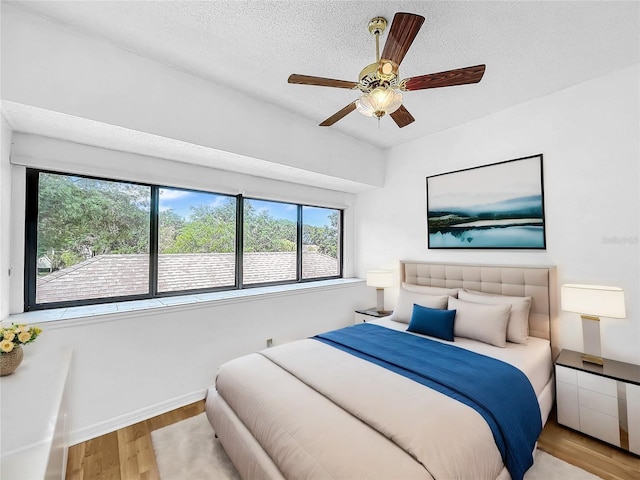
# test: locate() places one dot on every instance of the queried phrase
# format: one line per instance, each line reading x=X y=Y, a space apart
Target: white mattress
x=533 y=359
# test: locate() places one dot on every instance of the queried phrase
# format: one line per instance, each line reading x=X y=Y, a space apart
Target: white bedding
x=533 y=359
x=319 y=412
x=309 y=410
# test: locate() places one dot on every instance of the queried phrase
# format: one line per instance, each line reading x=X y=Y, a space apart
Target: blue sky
x=485 y=185
x=181 y=201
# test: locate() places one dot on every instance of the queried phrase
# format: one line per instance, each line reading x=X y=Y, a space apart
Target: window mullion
x=299 y=246
x=239 y=240
x=153 y=241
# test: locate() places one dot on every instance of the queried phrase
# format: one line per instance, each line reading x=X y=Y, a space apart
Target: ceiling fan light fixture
x=379 y=101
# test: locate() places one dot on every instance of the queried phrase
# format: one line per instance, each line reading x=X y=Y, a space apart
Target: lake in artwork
x=497 y=206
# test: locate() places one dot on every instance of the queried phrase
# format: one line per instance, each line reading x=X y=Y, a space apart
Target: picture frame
x=494 y=206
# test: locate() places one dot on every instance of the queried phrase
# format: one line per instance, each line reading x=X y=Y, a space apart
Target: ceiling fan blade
x=320 y=81
x=338 y=115
x=402 y=117
x=404 y=28
x=461 y=76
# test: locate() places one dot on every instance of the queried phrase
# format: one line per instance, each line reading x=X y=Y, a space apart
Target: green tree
x=81 y=217
x=324 y=237
x=210 y=229
x=170 y=224
x=263 y=233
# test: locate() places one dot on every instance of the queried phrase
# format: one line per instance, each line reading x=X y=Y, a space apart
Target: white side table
x=33 y=411
x=602 y=401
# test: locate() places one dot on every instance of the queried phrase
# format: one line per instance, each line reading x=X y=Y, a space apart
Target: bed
x=377 y=401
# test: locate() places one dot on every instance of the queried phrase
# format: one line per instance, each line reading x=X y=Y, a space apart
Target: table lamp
x=593 y=302
x=380 y=279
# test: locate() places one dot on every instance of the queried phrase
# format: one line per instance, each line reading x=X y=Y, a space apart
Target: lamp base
x=380 y=300
x=592 y=359
x=591 y=339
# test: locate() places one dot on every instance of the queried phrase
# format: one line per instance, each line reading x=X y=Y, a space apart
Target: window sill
x=117 y=310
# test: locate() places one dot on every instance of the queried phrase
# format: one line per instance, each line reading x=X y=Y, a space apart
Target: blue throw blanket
x=499 y=392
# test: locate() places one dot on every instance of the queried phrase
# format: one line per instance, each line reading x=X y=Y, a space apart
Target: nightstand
x=369 y=314
x=602 y=401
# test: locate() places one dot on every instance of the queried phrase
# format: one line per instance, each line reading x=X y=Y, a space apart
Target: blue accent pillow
x=432 y=322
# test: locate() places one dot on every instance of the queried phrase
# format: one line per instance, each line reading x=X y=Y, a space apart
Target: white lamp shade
x=379 y=101
x=380 y=278
x=594 y=300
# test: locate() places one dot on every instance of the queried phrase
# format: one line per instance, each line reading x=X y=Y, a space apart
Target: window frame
x=31 y=245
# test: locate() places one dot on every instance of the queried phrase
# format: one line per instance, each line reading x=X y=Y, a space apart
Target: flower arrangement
x=15 y=335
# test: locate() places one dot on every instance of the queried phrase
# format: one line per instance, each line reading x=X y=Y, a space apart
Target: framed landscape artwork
x=500 y=205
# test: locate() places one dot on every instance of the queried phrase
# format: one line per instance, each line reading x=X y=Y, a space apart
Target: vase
x=10 y=361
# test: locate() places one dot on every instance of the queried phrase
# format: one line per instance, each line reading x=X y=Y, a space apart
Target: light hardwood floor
x=588 y=453
x=127 y=454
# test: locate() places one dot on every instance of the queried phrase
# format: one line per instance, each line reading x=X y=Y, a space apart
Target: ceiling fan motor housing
x=370 y=78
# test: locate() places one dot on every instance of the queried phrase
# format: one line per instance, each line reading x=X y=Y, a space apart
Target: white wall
x=5 y=212
x=51 y=67
x=128 y=367
x=589 y=135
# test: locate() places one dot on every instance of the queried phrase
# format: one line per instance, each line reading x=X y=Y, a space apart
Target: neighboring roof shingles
x=120 y=275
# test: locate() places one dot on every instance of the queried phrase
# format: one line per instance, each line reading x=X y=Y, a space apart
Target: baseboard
x=116 y=423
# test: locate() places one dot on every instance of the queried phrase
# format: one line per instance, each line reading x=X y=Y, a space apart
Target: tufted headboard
x=538 y=282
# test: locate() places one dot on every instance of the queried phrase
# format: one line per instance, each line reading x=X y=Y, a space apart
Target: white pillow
x=518 y=328
x=485 y=323
x=426 y=289
x=404 y=306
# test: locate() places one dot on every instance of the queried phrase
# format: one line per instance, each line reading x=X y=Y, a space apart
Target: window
x=270 y=242
x=85 y=227
x=91 y=240
x=196 y=240
x=320 y=242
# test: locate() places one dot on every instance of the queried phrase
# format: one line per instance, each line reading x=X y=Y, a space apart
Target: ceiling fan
x=379 y=82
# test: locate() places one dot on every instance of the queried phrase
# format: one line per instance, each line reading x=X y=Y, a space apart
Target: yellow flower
x=22 y=328
x=24 y=337
x=9 y=335
x=6 y=346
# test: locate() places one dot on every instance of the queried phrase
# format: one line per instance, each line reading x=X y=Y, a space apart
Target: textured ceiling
x=531 y=49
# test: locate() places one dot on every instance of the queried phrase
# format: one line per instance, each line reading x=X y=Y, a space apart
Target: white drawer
x=604 y=385
x=598 y=402
x=567 y=400
x=599 y=425
x=566 y=375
